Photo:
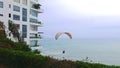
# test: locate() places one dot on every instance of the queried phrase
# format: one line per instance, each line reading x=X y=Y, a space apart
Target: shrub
x=13 y=45
x=81 y=64
x=20 y=59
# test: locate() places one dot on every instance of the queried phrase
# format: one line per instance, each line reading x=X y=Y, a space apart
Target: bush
x=81 y=64
x=13 y=45
x=20 y=59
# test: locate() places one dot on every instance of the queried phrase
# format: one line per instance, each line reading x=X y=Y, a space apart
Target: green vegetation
x=20 y=59
x=2 y=29
x=8 y=44
x=14 y=31
x=19 y=55
x=36 y=6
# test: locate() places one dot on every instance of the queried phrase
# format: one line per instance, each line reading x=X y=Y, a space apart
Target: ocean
x=105 y=51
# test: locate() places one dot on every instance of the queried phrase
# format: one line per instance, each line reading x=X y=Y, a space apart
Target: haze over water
x=105 y=51
x=94 y=25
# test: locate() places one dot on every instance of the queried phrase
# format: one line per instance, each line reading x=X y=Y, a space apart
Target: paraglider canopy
x=60 y=33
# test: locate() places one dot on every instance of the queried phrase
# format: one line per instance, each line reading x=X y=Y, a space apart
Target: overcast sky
x=82 y=18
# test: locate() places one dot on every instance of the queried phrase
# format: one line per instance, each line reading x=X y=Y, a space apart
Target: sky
x=82 y=18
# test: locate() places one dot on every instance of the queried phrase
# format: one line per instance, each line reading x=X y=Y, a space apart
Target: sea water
x=105 y=51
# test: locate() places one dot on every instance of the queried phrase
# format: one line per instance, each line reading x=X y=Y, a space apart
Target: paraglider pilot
x=63 y=51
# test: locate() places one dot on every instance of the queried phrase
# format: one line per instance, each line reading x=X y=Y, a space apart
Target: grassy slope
x=17 y=55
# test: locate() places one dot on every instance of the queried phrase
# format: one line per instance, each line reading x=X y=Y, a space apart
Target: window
x=16 y=8
x=1 y=4
x=25 y=2
x=33 y=43
x=34 y=13
x=1 y=14
x=24 y=31
x=9 y=15
x=24 y=14
x=33 y=35
x=18 y=1
x=16 y=17
x=33 y=28
x=9 y=5
x=10 y=34
x=33 y=20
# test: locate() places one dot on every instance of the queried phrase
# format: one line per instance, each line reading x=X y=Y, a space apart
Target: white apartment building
x=25 y=15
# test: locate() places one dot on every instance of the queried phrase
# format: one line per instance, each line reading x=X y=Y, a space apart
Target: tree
x=2 y=29
x=13 y=28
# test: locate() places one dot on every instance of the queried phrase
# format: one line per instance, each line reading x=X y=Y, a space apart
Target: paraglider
x=60 y=33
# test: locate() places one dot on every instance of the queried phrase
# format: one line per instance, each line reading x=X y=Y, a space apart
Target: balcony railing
x=35 y=0
x=35 y=37
x=39 y=37
x=37 y=23
x=35 y=45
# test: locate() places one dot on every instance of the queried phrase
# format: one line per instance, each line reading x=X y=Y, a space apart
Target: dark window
x=24 y=31
x=9 y=34
x=16 y=17
x=24 y=14
x=1 y=14
x=1 y=4
x=16 y=8
x=9 y=15
x=9 y=5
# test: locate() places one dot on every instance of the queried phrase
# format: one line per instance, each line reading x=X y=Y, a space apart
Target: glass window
x=16 y=8
x=24 y=31
x=24 y=14
x=33 y=43
x=1 y=14
x=24 y=2
x=18 y=1
x=9 y=5
x=33 y=20
x=34 y=13
x=1 y=4
x=9 y=15
x=16 y=17
x=33 y=35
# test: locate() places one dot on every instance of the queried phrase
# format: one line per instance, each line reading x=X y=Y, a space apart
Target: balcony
x=35 y=45
x=36 y=1
x=39 y=22
x=35 y=36
x=36 y=7
x=36 y=23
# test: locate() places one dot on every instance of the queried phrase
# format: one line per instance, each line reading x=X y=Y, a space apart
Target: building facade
x=23 y=13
